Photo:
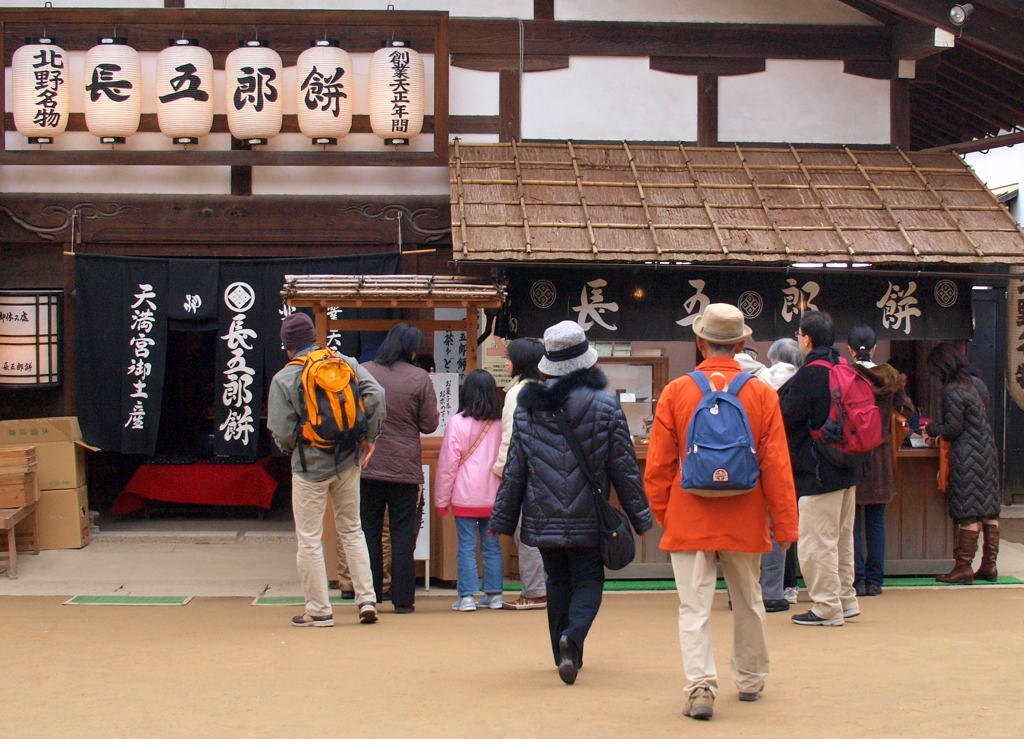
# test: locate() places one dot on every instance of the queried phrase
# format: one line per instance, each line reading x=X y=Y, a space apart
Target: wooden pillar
x=3 y=93
x=543 y=10
x=899 y=114
x=472 y=332
x=320 y=320
x=241 y=177
x=510 y=84
x=707 y=109
x=69 y=365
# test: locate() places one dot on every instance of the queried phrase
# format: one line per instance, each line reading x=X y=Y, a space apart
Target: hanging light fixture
x=959 y=14
x=323 y=75
x=396 y=93
x=40 y=96
x=30 y=338
x=113 y=90
x=184 y=89
x=255 y=106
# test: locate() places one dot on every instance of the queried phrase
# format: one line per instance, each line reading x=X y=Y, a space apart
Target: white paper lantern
x=30 y=337
x=39 y=76
x=323 y=75
x=253 y=83
x=184 y=89
x=113 y=90
x=396 y=93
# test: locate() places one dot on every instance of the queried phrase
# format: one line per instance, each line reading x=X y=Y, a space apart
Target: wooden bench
x=9 y=518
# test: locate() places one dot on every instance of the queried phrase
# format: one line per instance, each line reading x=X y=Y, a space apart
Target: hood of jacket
x=886 y=378
x=553 y=393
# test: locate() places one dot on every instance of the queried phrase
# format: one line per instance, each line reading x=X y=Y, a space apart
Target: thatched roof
x=640 y=203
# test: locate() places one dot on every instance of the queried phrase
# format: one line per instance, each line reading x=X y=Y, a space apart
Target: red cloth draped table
x=200 y=483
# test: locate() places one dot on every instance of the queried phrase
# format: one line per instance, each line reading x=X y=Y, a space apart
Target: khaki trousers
x=309 y=500
x=695 y=574
x=345 y=577
x=826 y=551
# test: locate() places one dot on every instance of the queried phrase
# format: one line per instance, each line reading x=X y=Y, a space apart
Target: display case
x=637 y=382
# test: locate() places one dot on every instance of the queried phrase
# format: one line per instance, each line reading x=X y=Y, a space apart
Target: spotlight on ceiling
x=959 y=14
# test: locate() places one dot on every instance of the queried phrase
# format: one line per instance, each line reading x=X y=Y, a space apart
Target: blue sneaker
x=466 y=603
x=496 y=600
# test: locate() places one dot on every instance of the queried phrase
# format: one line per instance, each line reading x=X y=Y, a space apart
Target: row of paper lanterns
x=254 y=95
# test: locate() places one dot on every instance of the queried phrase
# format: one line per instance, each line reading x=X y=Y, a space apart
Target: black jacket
x=805 y=406
x=973 y=472
x=542 y=478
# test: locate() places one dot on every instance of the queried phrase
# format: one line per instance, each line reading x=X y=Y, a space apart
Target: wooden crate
x=19 y=489
x=13 y=458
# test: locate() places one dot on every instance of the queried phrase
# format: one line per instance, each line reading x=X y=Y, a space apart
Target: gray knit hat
x=566 y=350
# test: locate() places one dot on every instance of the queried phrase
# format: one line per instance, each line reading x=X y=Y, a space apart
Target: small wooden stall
x=404 y=293
x=634 y=241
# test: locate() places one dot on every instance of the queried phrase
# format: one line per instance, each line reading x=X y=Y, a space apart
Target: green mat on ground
x=129 y=600
x=890 y=582
x=286 y=600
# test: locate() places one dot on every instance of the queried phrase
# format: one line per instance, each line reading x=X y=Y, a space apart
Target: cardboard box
x=60 y=451
x=63 y=519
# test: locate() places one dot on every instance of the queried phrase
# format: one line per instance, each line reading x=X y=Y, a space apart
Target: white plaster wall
x=609 y=98
x=460 y=8
x=803 y=102
x=472 y=92
x=84 y=4
x=712 y=11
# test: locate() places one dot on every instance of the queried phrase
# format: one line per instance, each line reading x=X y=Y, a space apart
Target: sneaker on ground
x=306 y=620
x=465 y=603
x=872 y=589
x=367 y=613
x=526 y=604
x=774 y=606
x=792 y=595
x=749 y=697
x=851 y=613
x=813 y=619
x=496 y=600
x=700 y=704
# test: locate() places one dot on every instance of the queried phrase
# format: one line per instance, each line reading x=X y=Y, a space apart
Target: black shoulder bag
x=616 y=538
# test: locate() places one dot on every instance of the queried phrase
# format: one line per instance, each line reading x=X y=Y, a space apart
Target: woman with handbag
x=570 y=442
x=465 y=481
x=973 y=480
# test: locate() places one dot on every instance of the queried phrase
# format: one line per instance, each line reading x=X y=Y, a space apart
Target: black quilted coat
x=542 y=478
x=973 y=473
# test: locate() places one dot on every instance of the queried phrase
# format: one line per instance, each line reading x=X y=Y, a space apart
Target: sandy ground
x=918 y=662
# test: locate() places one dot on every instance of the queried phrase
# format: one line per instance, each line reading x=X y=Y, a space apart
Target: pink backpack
x=853 y=428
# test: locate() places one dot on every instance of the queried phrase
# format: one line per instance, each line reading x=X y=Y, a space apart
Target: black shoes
x=861 y=588
x=348 y=595
x=404 y=609
x=872 y=589
x=774 y=606
x=568 y=660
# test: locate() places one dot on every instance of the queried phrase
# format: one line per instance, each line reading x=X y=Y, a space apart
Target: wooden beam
x=872 y=10
x=386 y=324
x=221 y=158
x=707 y=109
x=148 y=123
x=174 y=3
x=991 y=142
x=442 y=56
x=886 y=70
x=706 y=65
x=241 y=175
x=510 y=105
x=543 y=10
x=899 y=114
x=498 y=62
x=913 y=40
x=987 y=29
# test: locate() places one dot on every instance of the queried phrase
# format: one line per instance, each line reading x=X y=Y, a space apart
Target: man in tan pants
x=702 y=531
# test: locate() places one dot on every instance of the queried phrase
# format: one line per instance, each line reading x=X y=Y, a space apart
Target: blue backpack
x=721 y=458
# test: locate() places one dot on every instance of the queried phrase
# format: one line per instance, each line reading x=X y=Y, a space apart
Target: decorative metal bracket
x=401 y=213
x=88 y=211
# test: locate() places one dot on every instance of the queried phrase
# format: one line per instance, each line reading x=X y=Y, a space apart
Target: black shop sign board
x=660 y=305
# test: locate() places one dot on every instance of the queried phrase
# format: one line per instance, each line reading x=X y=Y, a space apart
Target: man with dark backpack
x=717 y=465
x=828 y=428
x=326 y=411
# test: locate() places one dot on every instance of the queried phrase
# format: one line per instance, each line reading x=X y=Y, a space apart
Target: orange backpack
x=332 y=416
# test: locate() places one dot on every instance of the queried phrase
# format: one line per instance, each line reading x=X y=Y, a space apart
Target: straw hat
x=566 y=350
x=721 y=323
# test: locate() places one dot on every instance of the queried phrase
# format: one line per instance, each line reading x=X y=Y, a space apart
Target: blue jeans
x=773 y=569
x=870 y=518
x=470 y=529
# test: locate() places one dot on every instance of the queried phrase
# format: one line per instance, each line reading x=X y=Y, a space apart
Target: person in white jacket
x=466 y=482
x=521 y=364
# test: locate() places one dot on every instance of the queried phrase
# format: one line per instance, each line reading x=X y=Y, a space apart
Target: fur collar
x=546 y=397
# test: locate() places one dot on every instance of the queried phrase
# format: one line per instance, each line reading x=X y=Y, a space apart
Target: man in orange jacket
x=733 y=530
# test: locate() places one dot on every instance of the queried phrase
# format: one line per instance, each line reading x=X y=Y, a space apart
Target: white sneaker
x=792 y=595
x=492 y=601
x=467 y=603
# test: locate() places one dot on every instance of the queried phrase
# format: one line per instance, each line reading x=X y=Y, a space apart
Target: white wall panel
x=712 y=11
x=464 y=8
x=609 y=98
x=349 y=181
x=472 y=92
x=102 y=180
x=803 y=102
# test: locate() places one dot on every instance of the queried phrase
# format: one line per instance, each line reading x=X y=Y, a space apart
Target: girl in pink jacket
x=465 y=482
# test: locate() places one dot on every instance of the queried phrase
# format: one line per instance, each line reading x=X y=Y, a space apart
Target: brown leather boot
x=963 y=558
x=989 y=552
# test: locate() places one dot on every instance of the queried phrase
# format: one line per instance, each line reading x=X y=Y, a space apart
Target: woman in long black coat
x=973 y=486
x=543 y=480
